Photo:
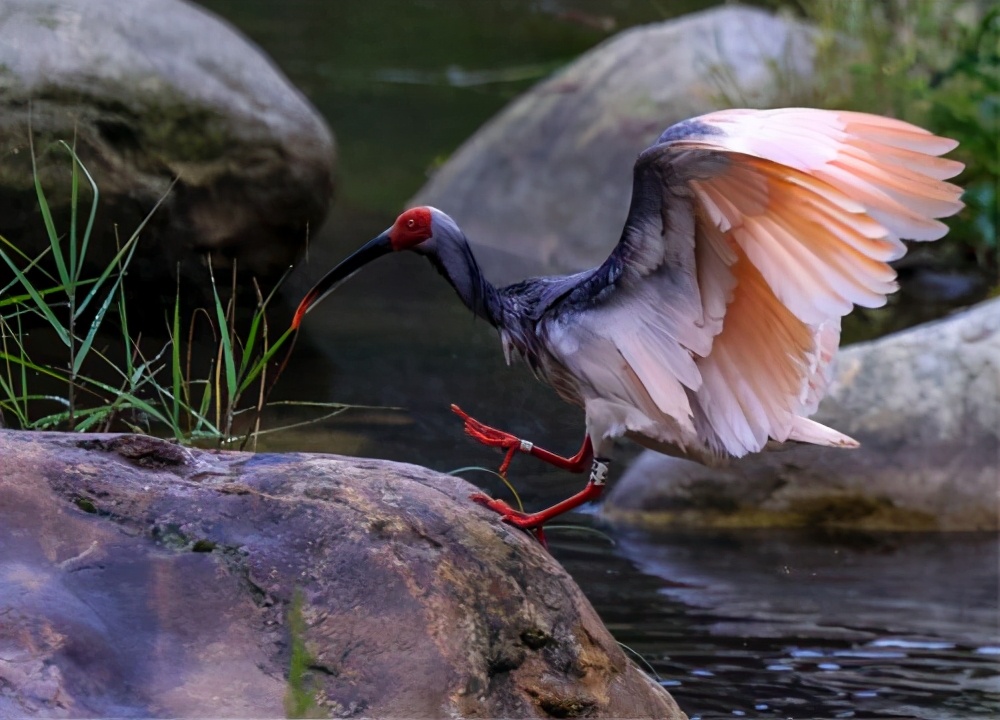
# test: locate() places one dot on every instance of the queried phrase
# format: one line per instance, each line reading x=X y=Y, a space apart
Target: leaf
x=93 y=209
x=125 y=249
x=262 y=361
x=130 y=399
x=39 y=301
x=74 y=195
x=176 y=373
x=50 y=227
x=229 y=361
x=258 y=317
x=31 y=264
x=28 y=365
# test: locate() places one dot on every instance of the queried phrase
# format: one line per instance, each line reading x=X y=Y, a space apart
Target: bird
x=709 y=331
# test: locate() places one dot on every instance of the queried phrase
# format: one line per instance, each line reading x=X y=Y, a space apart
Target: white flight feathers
x=729 y=343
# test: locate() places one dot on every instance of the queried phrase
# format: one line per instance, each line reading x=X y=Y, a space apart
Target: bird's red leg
x=512 y=444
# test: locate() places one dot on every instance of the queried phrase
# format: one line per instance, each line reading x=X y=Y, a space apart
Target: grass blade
x=93 y=208
x=258 y=366
x=206 y=403
x=28 y=365
x=494 y=473
x=56 y=419
x=250 y=341
x=31 y=264
x=74 y=194
x=50 y=227
x=93 y=418
x=19 y=299
x=95 y=324
x=258 y=316
x=116 y=261
x=130 y=399
x=228 y=359
x=11 y=403
x=175 y=359
x=291 y=426
x=42 y=306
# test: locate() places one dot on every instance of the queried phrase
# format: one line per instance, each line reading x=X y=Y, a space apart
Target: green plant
x=300 y=697
x=68 y=289
x=159 y=390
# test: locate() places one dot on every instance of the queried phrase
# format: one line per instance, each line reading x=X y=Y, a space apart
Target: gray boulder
x=544 y=187
x=141 y=579
x=152 y=91
x=925 y=405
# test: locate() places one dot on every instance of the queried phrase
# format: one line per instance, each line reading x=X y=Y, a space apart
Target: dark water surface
x=748 y=624
x=763 y=624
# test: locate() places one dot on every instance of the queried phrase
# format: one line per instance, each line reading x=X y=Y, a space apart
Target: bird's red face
x=411 y=228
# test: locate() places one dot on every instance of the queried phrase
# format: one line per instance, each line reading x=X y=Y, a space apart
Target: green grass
x=160 y=390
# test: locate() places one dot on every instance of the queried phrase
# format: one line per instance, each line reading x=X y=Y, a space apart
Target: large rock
x=925 y=405
x=141 y=579
x=152 y=91
x=544 y=187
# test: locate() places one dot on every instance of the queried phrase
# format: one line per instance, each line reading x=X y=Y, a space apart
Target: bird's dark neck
x=453 y=258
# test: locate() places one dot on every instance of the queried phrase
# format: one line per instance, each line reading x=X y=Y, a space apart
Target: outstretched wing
x=750 y=234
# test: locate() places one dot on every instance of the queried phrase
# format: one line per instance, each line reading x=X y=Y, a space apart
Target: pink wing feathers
x=770 y=226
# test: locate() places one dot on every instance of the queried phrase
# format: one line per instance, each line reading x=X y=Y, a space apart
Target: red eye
x=411 y=228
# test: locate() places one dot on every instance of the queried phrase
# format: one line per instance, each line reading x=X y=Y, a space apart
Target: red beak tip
x=297 y=318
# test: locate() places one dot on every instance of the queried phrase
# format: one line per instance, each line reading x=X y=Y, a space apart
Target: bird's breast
x=529 y=345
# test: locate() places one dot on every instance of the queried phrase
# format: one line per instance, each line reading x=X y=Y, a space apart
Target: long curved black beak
x=374 y=248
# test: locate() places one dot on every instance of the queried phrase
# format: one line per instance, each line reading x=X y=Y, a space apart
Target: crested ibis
x=709 y=330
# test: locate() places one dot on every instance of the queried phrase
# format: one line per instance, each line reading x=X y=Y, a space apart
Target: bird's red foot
x=523 y=520
x=530 y=522
x=490 y=436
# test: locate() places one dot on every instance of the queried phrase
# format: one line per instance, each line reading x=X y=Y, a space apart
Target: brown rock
x=137 y=577
x=153 y=91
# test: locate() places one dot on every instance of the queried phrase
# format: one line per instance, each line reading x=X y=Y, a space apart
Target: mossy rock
x=162 y=101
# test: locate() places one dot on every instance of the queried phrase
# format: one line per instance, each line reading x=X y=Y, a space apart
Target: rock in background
x=544 y=187
x=925 y=405
x=138 y=578
x=152 y=91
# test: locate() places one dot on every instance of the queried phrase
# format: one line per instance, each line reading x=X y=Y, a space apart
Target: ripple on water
x=879 y=627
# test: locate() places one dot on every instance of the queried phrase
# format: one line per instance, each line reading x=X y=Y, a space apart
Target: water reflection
x=778 y=624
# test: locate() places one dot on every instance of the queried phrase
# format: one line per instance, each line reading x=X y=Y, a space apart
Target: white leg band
x=598 y=472
x=526 y=446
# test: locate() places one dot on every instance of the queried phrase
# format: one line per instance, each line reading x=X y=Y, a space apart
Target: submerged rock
x=153 y=91
x=544 y=187
x=140 y=578
x=925 y=405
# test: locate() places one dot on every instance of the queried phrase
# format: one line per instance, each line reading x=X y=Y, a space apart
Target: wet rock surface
x=152 y=91
x=139 y=578
x=544 y=187
x=925 y=405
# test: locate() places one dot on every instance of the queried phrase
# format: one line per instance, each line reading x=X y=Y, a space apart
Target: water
x=779 y=624
x=747 y=624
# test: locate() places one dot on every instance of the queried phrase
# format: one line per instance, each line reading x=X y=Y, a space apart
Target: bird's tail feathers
x=810 y=431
